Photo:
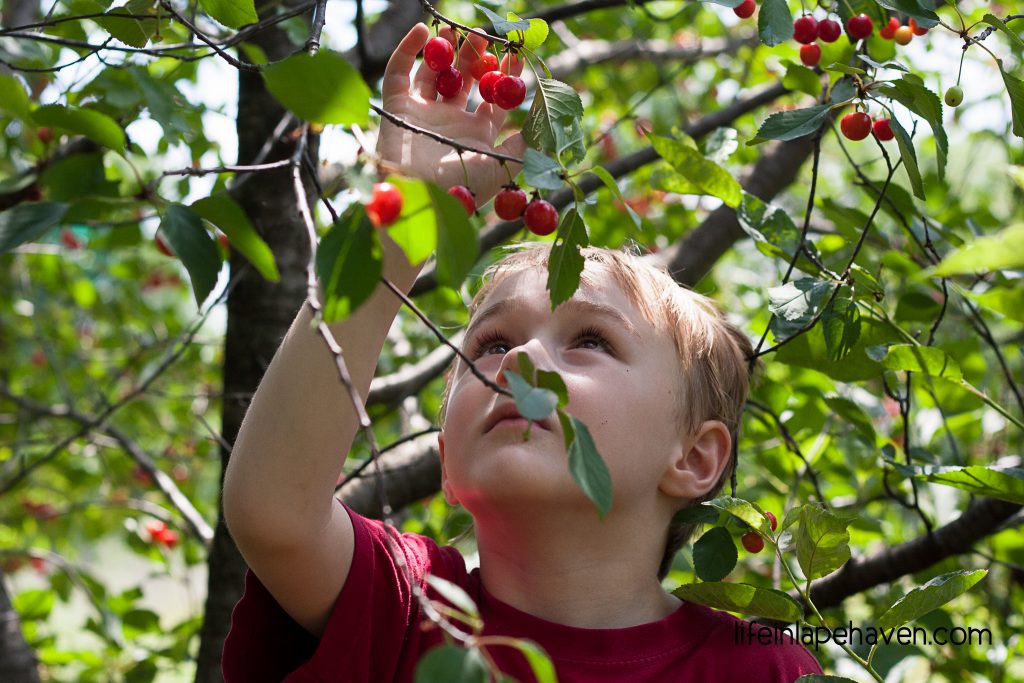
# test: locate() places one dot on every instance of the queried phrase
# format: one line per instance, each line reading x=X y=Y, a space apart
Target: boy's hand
x=415 y=99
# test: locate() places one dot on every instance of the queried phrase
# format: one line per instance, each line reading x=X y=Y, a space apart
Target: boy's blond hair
x=714 y=355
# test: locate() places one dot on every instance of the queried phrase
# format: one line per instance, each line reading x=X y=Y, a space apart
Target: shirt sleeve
x=371 y=630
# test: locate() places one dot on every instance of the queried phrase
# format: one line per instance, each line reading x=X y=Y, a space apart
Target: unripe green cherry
x=954 y=96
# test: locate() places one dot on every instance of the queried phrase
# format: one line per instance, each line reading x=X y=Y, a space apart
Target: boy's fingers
x=396 y=73
x=470 y=51
x=425 y=83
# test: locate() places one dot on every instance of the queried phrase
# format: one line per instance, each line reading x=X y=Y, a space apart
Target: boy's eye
x=590 y=338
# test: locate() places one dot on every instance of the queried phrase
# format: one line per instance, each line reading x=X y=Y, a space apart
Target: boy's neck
x=556 y=571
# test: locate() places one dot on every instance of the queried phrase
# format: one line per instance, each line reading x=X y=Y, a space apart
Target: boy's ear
x=697 y=467
x=449 y=495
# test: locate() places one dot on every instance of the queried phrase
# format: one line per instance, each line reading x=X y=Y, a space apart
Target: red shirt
x=373 y=634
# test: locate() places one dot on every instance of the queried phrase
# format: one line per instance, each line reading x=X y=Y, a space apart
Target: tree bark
x=17 y=659
x=259 y=313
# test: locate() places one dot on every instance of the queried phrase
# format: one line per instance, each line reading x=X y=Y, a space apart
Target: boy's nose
x=534 y=349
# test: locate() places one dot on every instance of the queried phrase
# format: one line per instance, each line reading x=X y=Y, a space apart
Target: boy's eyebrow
x=572 y=305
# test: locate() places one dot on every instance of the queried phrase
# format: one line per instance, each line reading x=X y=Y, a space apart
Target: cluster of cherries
x=902 y=34
x=752 y=540
x=539 y=215
x=159 y=533
x=505 y=90
x=858 y=125
x=807 y=30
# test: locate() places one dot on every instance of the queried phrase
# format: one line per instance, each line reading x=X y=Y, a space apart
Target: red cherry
x=45 y=135
x=449 y=82
x=745 y=9
x=155 y=527
x=903 y=35
x=38 y=563
x=70 y=239
x=805 y=29
x=859 y=26
x=918 y=31
x=540 y=217
x=487 y=62
x=829 y=31
x=889 y=30
x=462 y=193
x=438 y=53
x=882 y=129
x=34 y=194
x=487 y=82
x=510 y=203
x=162 y=246
x=169 y=538
x=856 y=125
x=509 y=92
x=385 y=205
x=810 y=55
x=771 y=520
x=753 y=542
x=223 y=240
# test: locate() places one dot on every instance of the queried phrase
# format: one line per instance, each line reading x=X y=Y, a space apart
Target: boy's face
x=625 y=393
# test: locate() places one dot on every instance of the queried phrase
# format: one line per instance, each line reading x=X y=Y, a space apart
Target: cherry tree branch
x=982 y=518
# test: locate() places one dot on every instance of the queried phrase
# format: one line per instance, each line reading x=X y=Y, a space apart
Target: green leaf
x=1007 y=302
x=844 y=90
x=454 y=594
x=323 y=88
x=13 y=98
x=841 y=325
x=1015 y=88
x=992 y=481
x=698 y=174
x=789 y=125
x=696 y=514
x=925 y=17
x=796 y=304
x=231 y=13
x=348 y=263
x=714 y=554
x=587 y=466
x=184 y=231
x=34 y=604
x=743 y=598
x=926 y=359
x=78 y=176
x=610 y=183
x=822 y=541
x=532 y=403
x=457 y=250
x=565 y=263
x=853 y=415
x=533 y=37
x=541 y=171
x=909 y=157
x=553 y=123
x=911 y=93
x=799 y=77
x=540 y=664
x=774 y=22
x=771 y=228
x=27 y=221
x=1004 y=250
x=743 y=511
x=553 y=382
x=501 y=25
x=88 y=122
x=416 y=229
x=452 y=663
x=131 y=31
x=998 y=23
x=225 y=213
x=932 y=595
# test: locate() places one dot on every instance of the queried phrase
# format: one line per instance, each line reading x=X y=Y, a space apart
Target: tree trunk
x=17 y=660
x=259 y=314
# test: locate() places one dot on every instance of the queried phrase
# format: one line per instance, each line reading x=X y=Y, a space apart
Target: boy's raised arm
x=279 y=485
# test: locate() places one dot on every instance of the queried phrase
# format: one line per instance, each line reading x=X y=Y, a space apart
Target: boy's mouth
x=508 y=415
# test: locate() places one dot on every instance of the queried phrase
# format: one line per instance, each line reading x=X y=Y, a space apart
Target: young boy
x=653 y=370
